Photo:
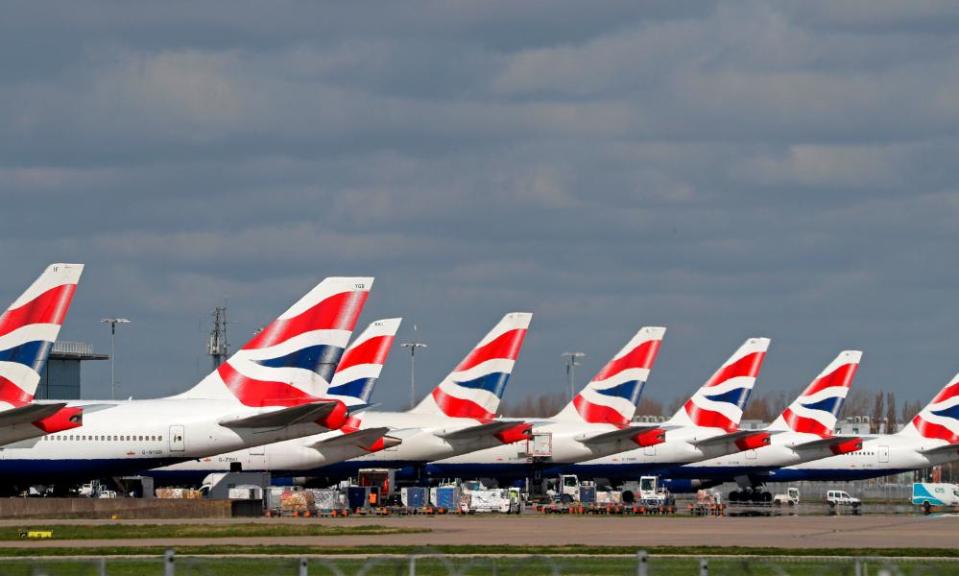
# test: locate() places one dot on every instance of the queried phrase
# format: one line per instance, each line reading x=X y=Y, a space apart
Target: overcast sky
x=784 y=169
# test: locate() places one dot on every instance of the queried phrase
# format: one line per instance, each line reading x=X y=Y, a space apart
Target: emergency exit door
x=177 y=441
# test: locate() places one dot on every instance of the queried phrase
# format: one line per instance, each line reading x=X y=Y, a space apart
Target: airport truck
x=929 y=495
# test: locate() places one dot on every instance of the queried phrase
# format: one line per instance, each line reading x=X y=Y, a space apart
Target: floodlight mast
x=572 y=361
x=412 y=346
x=113 y=352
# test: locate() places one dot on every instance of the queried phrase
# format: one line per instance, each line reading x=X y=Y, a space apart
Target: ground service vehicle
x=838 y=498
x=934 y=494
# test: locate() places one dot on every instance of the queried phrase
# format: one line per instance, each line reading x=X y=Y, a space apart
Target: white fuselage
x=567 y=445
x=784 y=449
x=132 y=436
x=879 y=456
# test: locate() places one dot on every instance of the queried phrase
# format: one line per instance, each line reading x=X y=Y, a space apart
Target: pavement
x=787 y=532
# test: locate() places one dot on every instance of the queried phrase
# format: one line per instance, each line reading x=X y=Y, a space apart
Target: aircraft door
x=177 y=441
x=883 y=452
x=257 y=455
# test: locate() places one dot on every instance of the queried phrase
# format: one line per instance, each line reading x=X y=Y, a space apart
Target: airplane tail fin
x=475 y=387
x=28 y=329
x=719 y=403
x=940 y=418
x=362 y=363
x=611 y=396
x=292 y=360
x=816 y=409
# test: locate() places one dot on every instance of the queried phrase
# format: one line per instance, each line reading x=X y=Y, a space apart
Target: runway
x=786 y=532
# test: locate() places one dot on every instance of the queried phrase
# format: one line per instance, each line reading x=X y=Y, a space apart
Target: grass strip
x=699 y=551
x=115 y=531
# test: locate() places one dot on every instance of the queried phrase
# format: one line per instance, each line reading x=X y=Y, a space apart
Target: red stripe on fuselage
x=932 y=430
x=47 y=308
x=642 y=356
x=373 y=351
x=950 y=391
x=338 y=312
x=13 y=394
x=804 y=424
x=459 y=408
x=506 y=346
x=708 y=418
x=253 y=392
x=840 y=377
x=597 y=413
x=748 y=366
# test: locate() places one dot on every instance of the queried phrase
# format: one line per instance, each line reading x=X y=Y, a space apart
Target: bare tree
x=891 y=416
x=758 y=409
x=878 y=411
x=649 y=407
x=857 y=402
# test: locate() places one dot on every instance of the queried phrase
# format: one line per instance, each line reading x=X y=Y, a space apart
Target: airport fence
x=433 y=564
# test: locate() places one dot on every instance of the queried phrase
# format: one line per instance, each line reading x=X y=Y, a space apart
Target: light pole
x=412 y=346
x=113 y=352
x=572 y=361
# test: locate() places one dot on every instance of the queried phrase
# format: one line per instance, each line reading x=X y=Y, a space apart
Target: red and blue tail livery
x=613 y=393
x=940 y=418
x=28 y=329
x=292 y=360
x=362 y=363
x=475 y=387
x=816 y=410
x=719 y=403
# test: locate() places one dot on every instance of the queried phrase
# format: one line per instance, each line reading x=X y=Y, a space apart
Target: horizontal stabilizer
x=360 y=438
x=939 y=450
x=29 y=413
x=488 y=429
x=616 y=435
x=725 y=438
x=283 y=417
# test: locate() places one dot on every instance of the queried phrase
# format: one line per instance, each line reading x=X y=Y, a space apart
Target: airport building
x=60 y=378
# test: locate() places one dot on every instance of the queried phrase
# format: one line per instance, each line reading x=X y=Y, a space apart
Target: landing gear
x=751 y=495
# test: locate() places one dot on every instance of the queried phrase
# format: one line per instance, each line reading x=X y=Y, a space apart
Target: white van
x=841 y=498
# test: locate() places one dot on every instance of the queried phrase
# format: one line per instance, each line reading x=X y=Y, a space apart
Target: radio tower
x=218 y=347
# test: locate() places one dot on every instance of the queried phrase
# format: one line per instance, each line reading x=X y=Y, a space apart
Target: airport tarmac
x=788 y=532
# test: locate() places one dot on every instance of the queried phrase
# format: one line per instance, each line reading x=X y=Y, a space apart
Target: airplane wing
x=283 y=417
x=359 y=438
x=622 y=434
x=730 y=437
x=948 y=448
x=29 y=413
x=478 y=430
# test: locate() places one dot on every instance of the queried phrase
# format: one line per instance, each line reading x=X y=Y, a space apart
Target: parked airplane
x=28 y=330
x=459 y=416
x=706 y=426
x=266 y=392
x=595 y=423
x=932 y=438
x=352 y=383
x=802 y=433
